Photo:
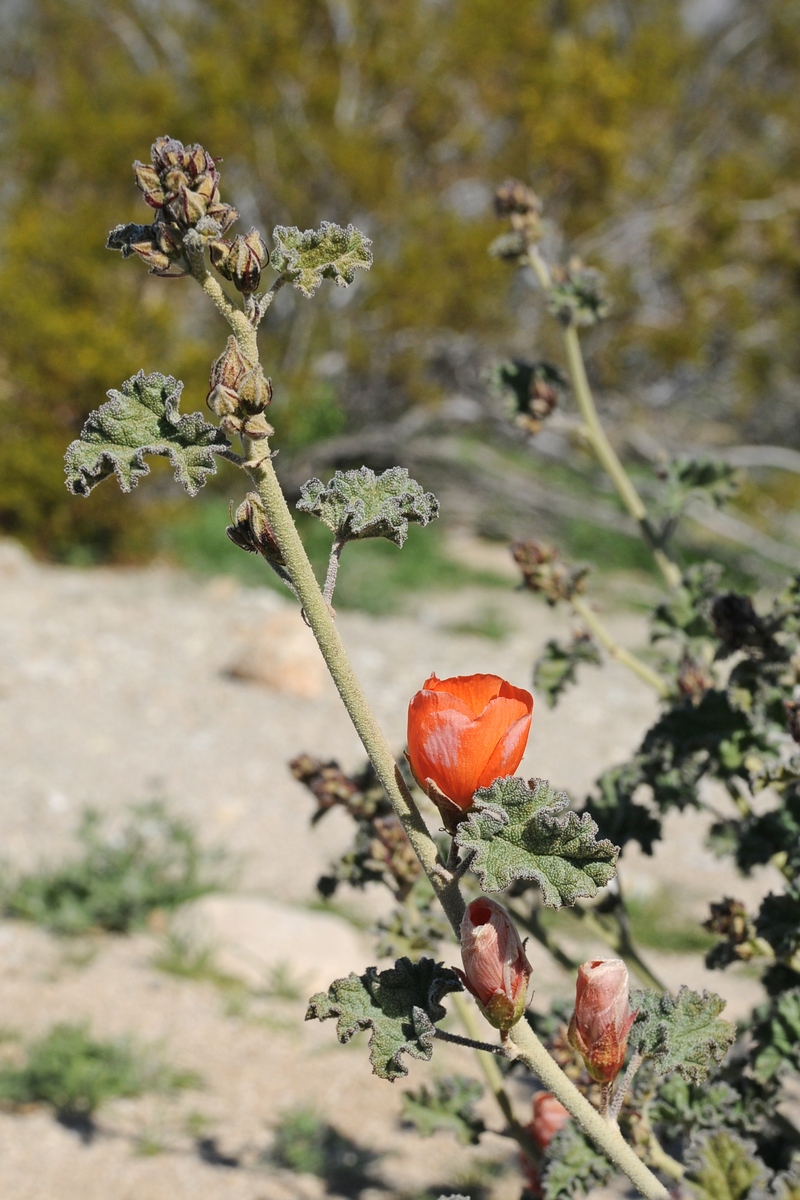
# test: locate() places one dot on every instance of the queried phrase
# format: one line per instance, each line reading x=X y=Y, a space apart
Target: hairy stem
x=622 y=1087
x=445 y=886
x=333 y=570
x=494 y=1079
x=470 y=1043
x=605 y=1135
x=597 y=436
x=626 y=657
x=330 y=643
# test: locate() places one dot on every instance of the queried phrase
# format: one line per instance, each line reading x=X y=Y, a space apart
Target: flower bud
x=513 y=196
x=155 y=259
x=223 y=214
x=251 y=531
x=225 y=380
x=496 y=970
x=193 y=205
x=241 y=260
x=549 y=1116
x=148 y=182
x=602 y=1019
x=255 y=391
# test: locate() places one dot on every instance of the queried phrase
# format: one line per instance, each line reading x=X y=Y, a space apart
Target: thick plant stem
x=320 y=618
x=494 y=1079
x=616 y=651
x=330 y=643
x=597 y=434
x=604 y=1134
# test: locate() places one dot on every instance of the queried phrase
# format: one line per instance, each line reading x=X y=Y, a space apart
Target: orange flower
x=602 y=1019
x=465 y=732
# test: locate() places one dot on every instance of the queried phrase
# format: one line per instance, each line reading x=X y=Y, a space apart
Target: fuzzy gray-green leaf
x=683 y=1034
x=385 y=1002
x=516 y=831
x=142 y=418
x=361 y=504
x=573 y=1167
x=722 y=1166
x=329 y=252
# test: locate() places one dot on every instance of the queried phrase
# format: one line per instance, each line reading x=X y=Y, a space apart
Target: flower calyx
x=238 y=393
x=251 y=531
x=240 y=260
x=496 y=970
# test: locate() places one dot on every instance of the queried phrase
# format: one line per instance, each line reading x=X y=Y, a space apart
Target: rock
x=282 y=654
x=252 y=938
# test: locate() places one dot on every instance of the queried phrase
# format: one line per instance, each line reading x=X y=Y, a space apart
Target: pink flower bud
x=496 y=970
x=602 y=1019
x=549 y=1116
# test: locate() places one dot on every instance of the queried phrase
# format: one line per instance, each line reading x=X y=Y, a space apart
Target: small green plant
x=306 y=1143
x=153 y=862
x=75 y=1073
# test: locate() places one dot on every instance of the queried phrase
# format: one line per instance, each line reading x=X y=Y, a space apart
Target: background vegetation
x=663 y=137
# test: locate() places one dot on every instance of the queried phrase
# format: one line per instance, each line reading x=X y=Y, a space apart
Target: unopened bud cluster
x=520 y=204
x=694 y=679
x=543 y=571
x=182 y=185
x=238 y=394
x=576 y=296
x=729 y=919
x=240 y=260
x=251 y=531
x=544 y=391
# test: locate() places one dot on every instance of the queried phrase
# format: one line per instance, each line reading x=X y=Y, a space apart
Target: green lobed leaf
x=573 y=1166
x=724 y=1167
x=142 y=418
x=618 y=815
x=449 y=1105
x=360 y=504
x=516 y=832
x=329 y=252
x=776 y=1037
x=400 y=1006
x=683 y=1034
x=682 y=1107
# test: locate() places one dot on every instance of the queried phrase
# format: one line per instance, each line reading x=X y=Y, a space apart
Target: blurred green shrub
x=402 y=114
x=154 y=862
x=76 y=1073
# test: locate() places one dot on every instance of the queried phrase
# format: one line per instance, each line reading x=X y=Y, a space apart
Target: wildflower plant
x=502 y=834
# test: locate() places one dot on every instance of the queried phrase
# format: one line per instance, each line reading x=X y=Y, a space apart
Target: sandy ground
x=118 y=686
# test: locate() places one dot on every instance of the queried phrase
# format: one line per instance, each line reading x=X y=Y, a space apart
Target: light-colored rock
x=252 y=938
x=282 y=654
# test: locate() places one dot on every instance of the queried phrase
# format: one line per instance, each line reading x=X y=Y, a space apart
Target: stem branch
x=604 y=1134
x=626 y=657
x=494 y=1080
x=596 y=434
